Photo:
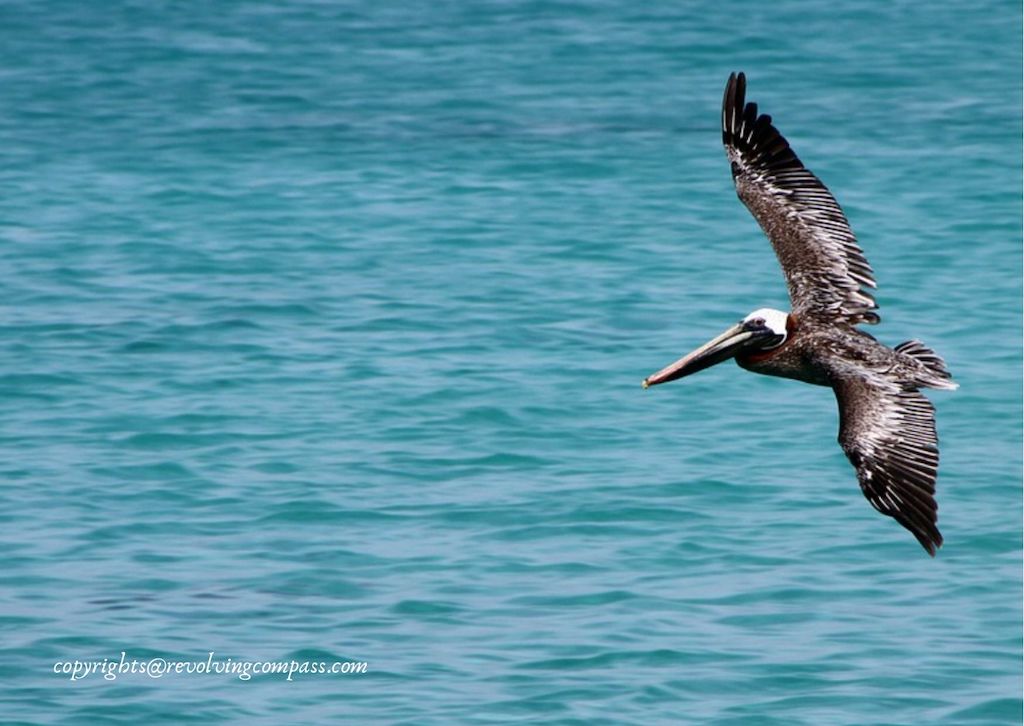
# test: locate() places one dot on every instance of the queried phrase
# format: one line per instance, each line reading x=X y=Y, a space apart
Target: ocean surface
x=322 y=329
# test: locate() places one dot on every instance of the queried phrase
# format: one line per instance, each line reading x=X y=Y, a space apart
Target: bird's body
x=887 y=426
x=821 y=354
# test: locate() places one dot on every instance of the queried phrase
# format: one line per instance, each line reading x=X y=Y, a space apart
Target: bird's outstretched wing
x=825 y=269
x=888 y=433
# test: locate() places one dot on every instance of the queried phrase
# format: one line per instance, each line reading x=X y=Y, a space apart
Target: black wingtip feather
x=728 y=103
x=927 y=534
x=751 y=134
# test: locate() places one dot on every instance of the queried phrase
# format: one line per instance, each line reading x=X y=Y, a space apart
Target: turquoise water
x=322 y=332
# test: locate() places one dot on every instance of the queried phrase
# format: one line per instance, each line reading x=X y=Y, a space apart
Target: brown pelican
x=887 y=427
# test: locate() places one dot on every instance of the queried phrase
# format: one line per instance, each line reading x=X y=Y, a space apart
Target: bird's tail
x=935 y=373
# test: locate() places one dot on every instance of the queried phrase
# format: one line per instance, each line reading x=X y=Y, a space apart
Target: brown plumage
x=887 y=427
x=825 y=269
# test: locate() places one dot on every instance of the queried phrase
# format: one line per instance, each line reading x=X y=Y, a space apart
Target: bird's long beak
x=722 y=348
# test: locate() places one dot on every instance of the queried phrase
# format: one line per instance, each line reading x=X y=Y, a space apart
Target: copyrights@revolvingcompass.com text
x=110 y=670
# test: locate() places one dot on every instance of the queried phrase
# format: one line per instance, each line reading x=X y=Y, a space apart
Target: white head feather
x=775 y=320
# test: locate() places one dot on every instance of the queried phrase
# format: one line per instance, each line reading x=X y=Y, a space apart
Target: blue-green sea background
x=321 y=337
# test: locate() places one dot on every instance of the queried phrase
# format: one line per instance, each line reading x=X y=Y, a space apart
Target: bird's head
x=762 y=330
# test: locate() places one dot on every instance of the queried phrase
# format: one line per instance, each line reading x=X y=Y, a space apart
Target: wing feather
x=888 y=433
x=826 y=271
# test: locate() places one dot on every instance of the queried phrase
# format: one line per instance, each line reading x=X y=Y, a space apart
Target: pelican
x=887 y=427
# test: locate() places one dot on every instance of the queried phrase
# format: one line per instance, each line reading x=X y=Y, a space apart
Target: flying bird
x=887 y=427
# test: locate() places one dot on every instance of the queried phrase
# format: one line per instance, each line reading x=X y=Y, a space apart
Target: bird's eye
x=758 y=321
